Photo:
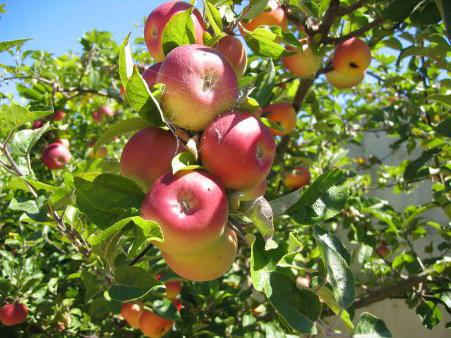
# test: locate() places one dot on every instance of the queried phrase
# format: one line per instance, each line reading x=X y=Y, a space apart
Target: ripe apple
x=253 y=193
x=157 y=20
x=191 y=208
x=200 y=84
x=342 y=81
x=131 y=313
x=234 y=52
x=351 y=57
x=304 y=62
x=209 y=264
x=63 y=141
x=147 y=155
x=58 y=116
x=151 y=73
x=153 y=325
x=37 y=124
x=237 y=149
x=12 y=314
x=172 y=287
x=275 y=16
x=56 y=156
x=383 y=250
x=282 y=113
x=106 y=110
x=298 y=178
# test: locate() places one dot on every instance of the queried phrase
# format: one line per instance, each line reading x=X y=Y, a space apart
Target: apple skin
x=12 y=314
x=351 y=57
x=131 y=313
x=172 y=287
x=63 y=141
x=275 y=17
x=38 y=124
x=191 y=208
x=298 y=179
x=234 y=52
x=304 y=63
x=157 y=20
x=56 y=156
x=237 y=149
x=58 y=116
x=383 y=250
x=199 y=85
x=106 y=110
x=151 y=73
x=254 y=193
x=342 y=81
x=153 y=325
x=147 y=155
x=209 y=264
x=284 y=114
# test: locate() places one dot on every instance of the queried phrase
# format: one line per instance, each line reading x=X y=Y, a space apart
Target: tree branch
x=351 y=8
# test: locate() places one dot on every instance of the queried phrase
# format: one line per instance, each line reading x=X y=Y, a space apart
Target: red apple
x=351 y=57
x=12 y=314
x=56 y=156
x=151 y=73
x=208 y=264
x=157 y=20
x=63 y=141
x=234 y=52
x=58 y=116
x=37 y=124
x=97 y=116
x=172 y=287
x=178 y=304
x=106 y=110
x=282 y=113
x=342 y=81
x=238 y=149
x=147 y=155
x=153 y=325
x=131 y=313
x=300 y=177
x=304 y=62
x=191 y=208
x=383 y=250
x=199 y=85
x=275 y=16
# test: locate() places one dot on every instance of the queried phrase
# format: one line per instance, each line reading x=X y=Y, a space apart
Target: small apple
x=106 y=110
x=199 y=85
x=151 y=73
x=38 y=124
x=191 y=208
x=153 y=325
x=209 y=264
x=304 y=62
x=97 y=116
x=12 y=314
x=234 y=52
x=282 y=113
x=172 y=287
x=273 y=16
x=56 y=156
x=58 y=116
x=383 y=250
x=298 y=178
x=237 y=149
x=351 y=57
x=178 y=305
x=157 y=20
x=303 y=281
x=342 y=81
x=131 y=313
x=148 y=155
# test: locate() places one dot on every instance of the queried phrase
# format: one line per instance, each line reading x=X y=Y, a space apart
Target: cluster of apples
x=151 y=324
x=13 y=314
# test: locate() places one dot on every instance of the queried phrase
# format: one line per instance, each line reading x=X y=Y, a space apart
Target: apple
x=97 y=116
x=131 y=313
x=199 y=85
x=282 y=113
x=191 y=208
x=157 y=20
x=304 y=62
x=178 y=304
x=37 y=124
x=151 y=73
x=237 y=149
x=208 y=264
x=56 y=156
x=303 y=281
x=254 y=193
x=300 y=177
x=12 y=314
x=273 y=16
x=342 y=81
x=58 y=116
x=383 y=250
x=351 y=57
x=172 y=287
x=63 y=141
x=106 y=110
x=147 y=155
x=234 y=52
x=153 y=325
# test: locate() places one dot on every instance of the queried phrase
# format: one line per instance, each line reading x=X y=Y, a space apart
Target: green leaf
x=443 y=99
x=24 y=140
x=444 y=128
x=143 y=101
x=119 y=128
x=327 y=296
x=28 y=93
x=399 y=10
x=370 y=326
x=132 y=283
x=444 y=7
x=214 y=17
x=264 y=84
x=265 y=42
x=108 y=199
x=151 y=230
x=260 y=213
x=125 y=61
x=337 y=260
x=413 y=168
x=6 y=45
x=26 y=205
x=14 y=116
x=184 y=161
x=249 y=105
x=254 y=8
x=178 y=31
x=272 y=124
x=299 y=307
x=282 y=204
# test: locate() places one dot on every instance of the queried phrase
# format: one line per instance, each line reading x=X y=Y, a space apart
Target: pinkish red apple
x=234 y=52
x=56 y=156
x=151 y=73
x=12 y=314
